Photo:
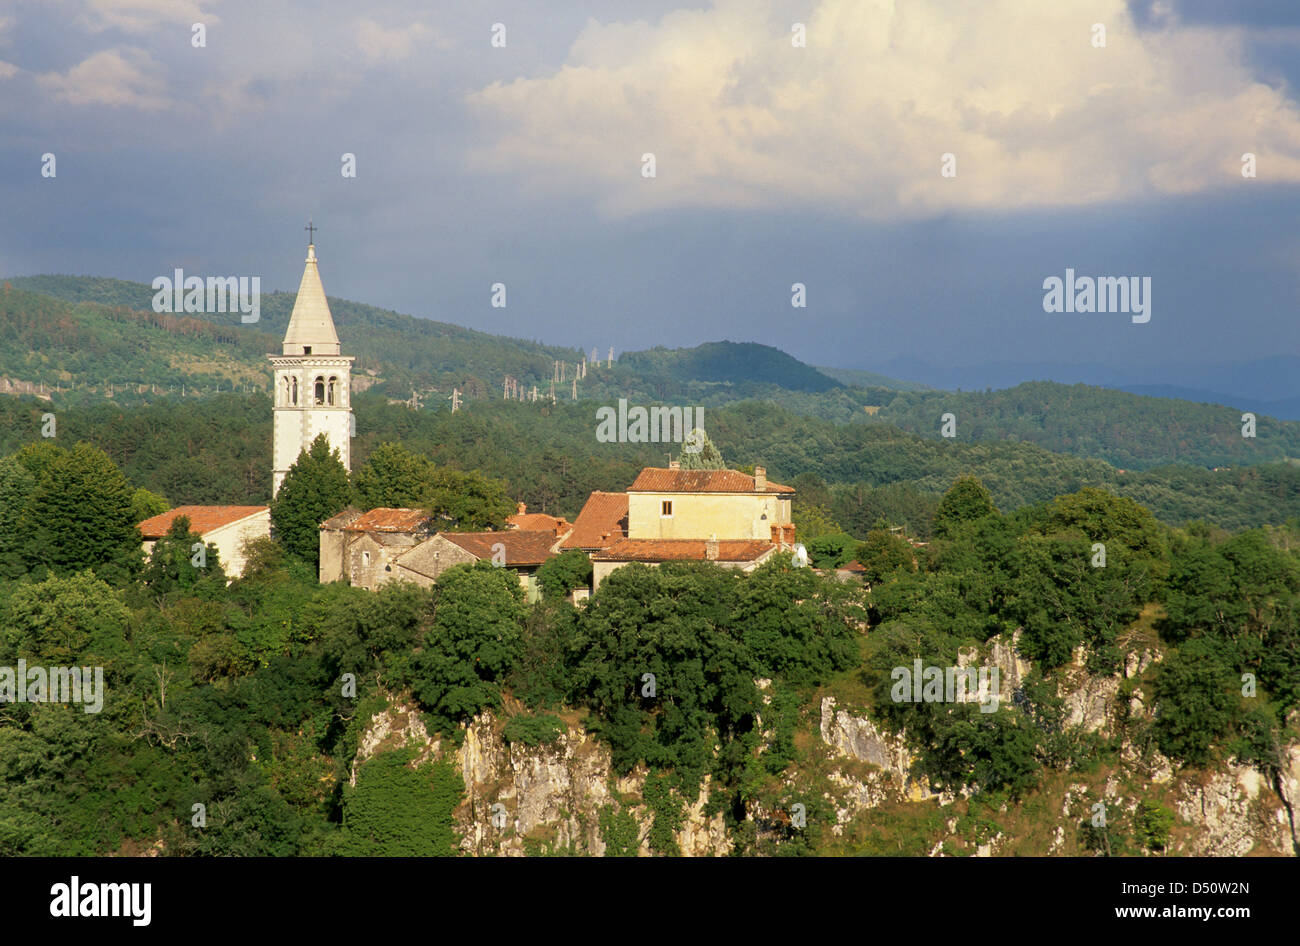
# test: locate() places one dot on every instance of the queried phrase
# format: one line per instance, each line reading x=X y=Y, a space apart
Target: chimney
x=711 y=549
x=674 y=464
x=523 y=508
x=778 y=535
x=760 y=478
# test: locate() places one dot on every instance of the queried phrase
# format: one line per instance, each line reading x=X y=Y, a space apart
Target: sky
x=774 y=164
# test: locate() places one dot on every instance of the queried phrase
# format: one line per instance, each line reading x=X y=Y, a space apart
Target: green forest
x=233 y=712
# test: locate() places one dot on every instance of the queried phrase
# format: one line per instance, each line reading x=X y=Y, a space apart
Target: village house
x=359 y=547
x=722 y=516
x=226 y=527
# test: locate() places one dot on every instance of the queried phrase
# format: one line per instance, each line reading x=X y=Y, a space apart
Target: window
x=285 y=399
x=334 y=383
x=295 y=392
x=320 y=390
x=306 y=349
x=667 y=508
x=365 y=559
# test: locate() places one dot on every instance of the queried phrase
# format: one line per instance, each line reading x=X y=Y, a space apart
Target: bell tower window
x=294 y=399
x=333 y=387
x=320 y=390
x=306 y=349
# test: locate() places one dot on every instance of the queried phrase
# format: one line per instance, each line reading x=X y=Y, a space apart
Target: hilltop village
x=735 y=519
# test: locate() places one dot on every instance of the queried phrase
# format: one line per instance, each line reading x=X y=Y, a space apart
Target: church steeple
x=312 y=380
x=311 y=327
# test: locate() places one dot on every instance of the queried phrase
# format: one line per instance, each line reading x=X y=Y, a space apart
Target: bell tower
x=312 y=380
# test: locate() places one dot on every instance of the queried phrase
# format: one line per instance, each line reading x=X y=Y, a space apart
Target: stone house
x=360 y=547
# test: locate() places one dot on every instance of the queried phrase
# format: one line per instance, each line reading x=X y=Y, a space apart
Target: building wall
x=230 y=540
x=332 y=545
x=368 y=558
x=449 y=555
x=703 y=515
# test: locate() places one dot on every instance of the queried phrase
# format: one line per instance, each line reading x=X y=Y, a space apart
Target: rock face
x=552 y=794
x=1236 y=813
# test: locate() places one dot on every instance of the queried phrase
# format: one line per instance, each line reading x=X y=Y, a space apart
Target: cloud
x=859 y=119
x=142 y=16
x=128 y=77
x=7 y=70
x=379 y=45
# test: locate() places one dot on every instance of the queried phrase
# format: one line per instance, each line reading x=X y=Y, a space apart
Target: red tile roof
x=674 y=550
x=538 y=522
x=522 y=547
x=602 y=522
x=203 y=519
x=386 y=519
x=655 y=480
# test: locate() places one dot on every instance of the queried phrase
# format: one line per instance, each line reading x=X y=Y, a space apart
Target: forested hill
x=82 y=340
x=1129 y=431
x=217 y=450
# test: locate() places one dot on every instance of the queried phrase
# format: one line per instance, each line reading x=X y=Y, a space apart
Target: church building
x=312 y=380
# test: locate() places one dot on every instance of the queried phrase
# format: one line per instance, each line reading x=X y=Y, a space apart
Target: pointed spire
x=311 y=326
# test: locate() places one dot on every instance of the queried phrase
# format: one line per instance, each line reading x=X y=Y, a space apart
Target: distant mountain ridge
x=85 y=339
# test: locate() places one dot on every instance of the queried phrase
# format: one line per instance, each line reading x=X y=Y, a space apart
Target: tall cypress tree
x=315 y=488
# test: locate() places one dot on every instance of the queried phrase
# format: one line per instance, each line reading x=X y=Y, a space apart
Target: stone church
x=312 y=380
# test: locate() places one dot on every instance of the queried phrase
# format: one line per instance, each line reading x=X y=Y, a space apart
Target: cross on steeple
x=311 y=232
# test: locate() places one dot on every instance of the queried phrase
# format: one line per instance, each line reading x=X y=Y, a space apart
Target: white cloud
x=126 y=77
x=859 y=119
x=7 y=70
x=379 y=45
x=141 y=16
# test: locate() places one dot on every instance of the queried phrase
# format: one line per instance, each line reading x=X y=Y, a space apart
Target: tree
x=560 y=574
x=474 y=642
x=797 y=624
x=466 y=502
x=392 y=476
x=63 y=619
x=831 y=550
x=315 y=488
x=16 y=486
x=707 y=457
x=812 y=521
x=966 y=501
x=172 y=564
x=884 y=554
x=399 y=811
x=80 y=515
x=146 y=505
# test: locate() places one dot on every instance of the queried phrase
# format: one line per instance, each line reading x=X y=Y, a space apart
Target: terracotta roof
x=343 y=519
x=203 y=519
x=537 y=522
x=522 y=546
x=856 y=567
x=656 y=480
x=674 y=550
x=602 y=522
x=386 y=519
